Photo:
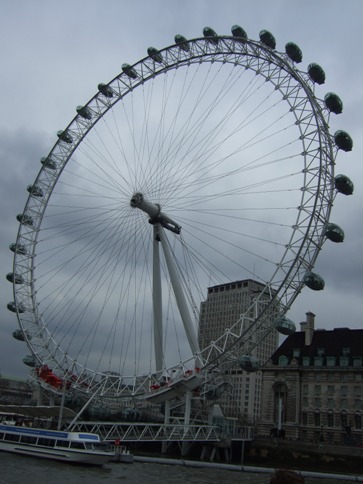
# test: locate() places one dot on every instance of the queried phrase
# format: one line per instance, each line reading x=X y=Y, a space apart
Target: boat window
x=12 y=437
x=89 y=446
x=77 y=445
x=28 y=440
x=46 y=442
x=62 y=443
x=1 y=435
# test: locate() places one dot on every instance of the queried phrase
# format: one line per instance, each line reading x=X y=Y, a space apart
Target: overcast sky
x=54 y=54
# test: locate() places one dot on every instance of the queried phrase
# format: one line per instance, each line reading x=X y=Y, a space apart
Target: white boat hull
x=70 y=447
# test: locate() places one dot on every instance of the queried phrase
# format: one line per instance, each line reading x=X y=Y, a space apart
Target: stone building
x=222 y=308
x=312 y=386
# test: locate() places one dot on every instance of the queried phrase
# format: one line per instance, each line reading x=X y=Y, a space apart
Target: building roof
x=324 y=343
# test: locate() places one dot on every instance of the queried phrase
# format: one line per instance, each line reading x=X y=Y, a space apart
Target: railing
x=154 y=432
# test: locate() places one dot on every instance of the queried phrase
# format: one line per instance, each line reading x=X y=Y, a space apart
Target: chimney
x=309 y=327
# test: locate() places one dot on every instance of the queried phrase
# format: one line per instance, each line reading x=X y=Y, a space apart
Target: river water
x=17 y=469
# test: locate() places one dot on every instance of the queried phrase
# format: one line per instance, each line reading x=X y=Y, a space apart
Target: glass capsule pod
x=29 y=360
x=65 y=137
x=84 y=112
x=210 y=35
x=314 y=281
x=25 y=219
x=15 y=278
x=213 y=392
x=294 y=52
x=182 y=42
x=155 y=55
x=344 y=184
x=239 y=32
x=15 y=307
x=19 y=335
x=48 y=162
x=333 y=103
x=343 y=140
x=35 y=191
x=316 y=73
x=268 y=39
x=285 y=326
x=334 y=233
x=129 y=71
x=249 y=363
x=18 y=248
x=105 y=90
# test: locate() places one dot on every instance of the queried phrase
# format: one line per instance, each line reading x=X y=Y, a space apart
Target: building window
x=344 y=419
x=296 y=353
x=331 y=403
x=331 y=389
x=318 y=361
x=344 y=360
x=358 y=420
x=317 y=402
x=357 y=362
x=317 y=390
x=304 y=418
x=283 y=360
x=358 y=404
x=344 y=391
x=330 y=361
x=330 y=419
x=344 y=404
x=317 y=418
x=306 y=361
x=305 y=389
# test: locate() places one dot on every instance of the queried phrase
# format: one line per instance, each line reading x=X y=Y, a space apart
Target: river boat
x=72 y=447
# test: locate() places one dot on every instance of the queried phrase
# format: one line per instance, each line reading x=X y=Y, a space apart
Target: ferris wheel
x=207 y=161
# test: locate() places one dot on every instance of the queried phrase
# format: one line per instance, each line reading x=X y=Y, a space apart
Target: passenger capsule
x=15 y=278
x=316 y=73
x=155 y=55
x=15 y=308
x=238 y=31
x=48 y=162
x=35 y=191
x=285 y=326
x=65 y=137
x=212 y=393
x=344 y=185
x=343 y=140
x=210 y=35
x=18 y=248
x=29 y=360
x=314 y=281
x=25 y=219
x=19 y=335
x=84 y=112
x=334 y=233
x=182 y=43
x=105 y=90
x=268 y=39
x=129 y=71
x=294 y=52
x=249 y=363
x=333 y=103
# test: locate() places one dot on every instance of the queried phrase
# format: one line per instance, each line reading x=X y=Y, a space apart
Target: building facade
x=223 y=307
x=313 y=386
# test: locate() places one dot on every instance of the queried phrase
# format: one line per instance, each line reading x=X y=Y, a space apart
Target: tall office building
x=223 y=307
